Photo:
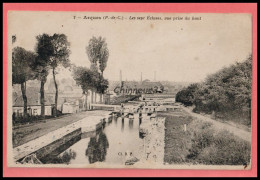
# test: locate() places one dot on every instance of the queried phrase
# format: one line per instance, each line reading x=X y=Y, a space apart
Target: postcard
x=129 y=90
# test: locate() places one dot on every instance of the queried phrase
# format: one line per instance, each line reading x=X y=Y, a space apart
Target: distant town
x=71 y=98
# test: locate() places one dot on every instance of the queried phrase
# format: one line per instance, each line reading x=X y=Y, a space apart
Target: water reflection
x=65 y=158
x=131 y=124
x=140 y=120
x=116 y=120
x=122 y=125
x=106 y=144
x=97 y=148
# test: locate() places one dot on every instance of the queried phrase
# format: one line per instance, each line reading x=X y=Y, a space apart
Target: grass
x=117 y=100
x=217 y=147
x=177 y=142
x=201 y=143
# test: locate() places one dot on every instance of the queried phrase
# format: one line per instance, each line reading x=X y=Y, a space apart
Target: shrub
x=227 y=93
x=217 y=148
x=226 y=149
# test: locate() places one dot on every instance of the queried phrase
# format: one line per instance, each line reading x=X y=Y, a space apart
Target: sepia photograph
x=129 y=90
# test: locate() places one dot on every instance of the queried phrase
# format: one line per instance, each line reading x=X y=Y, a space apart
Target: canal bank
x=118 y=144
x=192 y=141
x=49 y=142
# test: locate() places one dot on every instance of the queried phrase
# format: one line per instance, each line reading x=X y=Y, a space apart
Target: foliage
x=89 y=79
x=21 y=71
x=186 y=96
x=30 y=119
x=201 y=143
x=59 y=51
x=97 y=52
x=102 y=86
x=21 y=65
x=216 y=148
x=227 y=93
x=44 y=50
x=59 y=56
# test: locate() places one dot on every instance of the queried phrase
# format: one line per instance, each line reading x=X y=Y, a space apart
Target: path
x=32 y=131
x=245 y=135
x=87 y=124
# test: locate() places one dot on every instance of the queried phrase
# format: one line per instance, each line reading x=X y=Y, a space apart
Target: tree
x=60 y=56
x=44 y=50
x=87 y=79
x=21 y=70
x=83 y=78
x=186 y=96
x=226 y=93
x=103 y=85
x=98 y=53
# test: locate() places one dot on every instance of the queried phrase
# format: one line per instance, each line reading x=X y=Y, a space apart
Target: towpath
x=242 y=133
x=25 y=133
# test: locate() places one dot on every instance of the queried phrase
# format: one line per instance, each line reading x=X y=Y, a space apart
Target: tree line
x=92 y=78
x=51 y=52
x=226 y=94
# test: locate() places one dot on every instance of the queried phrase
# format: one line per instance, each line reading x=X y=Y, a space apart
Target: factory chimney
x=120 y=77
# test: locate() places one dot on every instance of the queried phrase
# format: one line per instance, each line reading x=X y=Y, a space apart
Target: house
x=70 y=107
x=80 y=102
x=33 y=105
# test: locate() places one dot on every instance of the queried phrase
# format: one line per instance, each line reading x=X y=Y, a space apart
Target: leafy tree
x=86 y=78
x=226 y=93
x=102 y=85
x=98 y=54
x=83 y=78
x=21 y=70
x=60 y=56
x=186 y=96
x=44 y=50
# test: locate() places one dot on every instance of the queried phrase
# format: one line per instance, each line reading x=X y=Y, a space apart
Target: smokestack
x=154 y=75
x=141 y=77
x=120 y=76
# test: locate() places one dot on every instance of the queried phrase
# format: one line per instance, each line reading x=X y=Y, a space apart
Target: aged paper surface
x=111 y=90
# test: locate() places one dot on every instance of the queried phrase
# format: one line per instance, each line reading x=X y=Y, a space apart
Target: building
x=70 y=98
x=33 y=105
x=70 y=107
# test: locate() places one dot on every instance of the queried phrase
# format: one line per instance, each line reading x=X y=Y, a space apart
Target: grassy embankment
x=117 y=100
x=201 y=143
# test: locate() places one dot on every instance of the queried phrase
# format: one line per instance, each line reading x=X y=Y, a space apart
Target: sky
x=177 y=50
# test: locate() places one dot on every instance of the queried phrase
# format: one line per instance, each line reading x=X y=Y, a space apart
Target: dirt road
x=243 y=134
x=32 y=131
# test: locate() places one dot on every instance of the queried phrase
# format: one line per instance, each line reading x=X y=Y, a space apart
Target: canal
x=113 y=144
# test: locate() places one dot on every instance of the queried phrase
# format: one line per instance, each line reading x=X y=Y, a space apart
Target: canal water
x=110 y=145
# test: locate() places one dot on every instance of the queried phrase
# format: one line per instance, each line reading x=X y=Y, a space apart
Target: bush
x=226 y=149
x=30 y=119
x=186 y=96
x=216 y=148
x=227 y=93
